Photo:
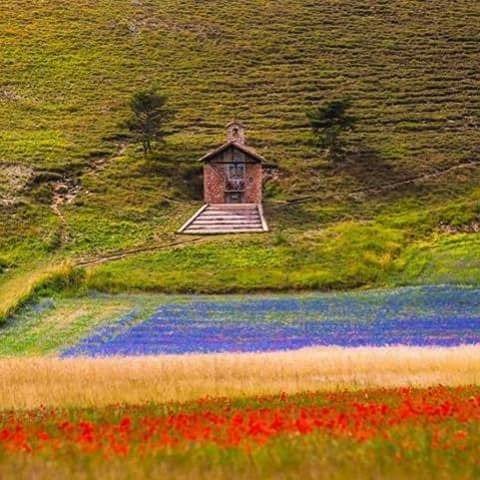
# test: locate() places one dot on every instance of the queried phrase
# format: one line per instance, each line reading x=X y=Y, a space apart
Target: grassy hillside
x=410 y=181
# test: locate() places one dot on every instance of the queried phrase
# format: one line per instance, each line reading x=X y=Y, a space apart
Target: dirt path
x=421 y=178
x=67 y=188
x=89 y=262
x=356 y=194
x=65 y=191
x=86 y=262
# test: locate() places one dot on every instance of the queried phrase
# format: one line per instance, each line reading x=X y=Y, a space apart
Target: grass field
x=411 y=178
x=51 y=324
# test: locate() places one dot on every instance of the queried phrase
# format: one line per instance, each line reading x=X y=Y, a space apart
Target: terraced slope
x=72 y=184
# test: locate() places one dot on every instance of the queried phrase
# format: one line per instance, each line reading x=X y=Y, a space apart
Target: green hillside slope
x=73 y=186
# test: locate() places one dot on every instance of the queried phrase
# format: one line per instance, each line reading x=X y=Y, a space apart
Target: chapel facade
x=233 y=172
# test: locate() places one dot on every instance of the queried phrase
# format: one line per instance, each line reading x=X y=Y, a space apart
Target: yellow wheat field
x=31 y=382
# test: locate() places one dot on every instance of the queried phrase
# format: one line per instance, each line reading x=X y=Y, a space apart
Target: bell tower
x=236 y=132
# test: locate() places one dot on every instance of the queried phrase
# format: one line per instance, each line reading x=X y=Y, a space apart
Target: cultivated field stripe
x=31 y=382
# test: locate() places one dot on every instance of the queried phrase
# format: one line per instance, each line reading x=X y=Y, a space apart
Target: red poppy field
x=372 y=434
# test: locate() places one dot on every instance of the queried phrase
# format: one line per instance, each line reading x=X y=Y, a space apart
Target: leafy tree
x=328 y=122
x=148 y=118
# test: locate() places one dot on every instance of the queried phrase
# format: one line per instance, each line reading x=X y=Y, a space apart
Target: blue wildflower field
x=424 y=316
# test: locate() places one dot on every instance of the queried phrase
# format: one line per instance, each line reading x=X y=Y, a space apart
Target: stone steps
x=226 y=218
x=233 y=223
x=232 y=216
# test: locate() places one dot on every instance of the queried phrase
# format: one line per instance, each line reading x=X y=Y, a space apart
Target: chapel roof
x=243 y=148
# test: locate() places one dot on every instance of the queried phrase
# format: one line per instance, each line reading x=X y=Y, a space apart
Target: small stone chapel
x=232 y=180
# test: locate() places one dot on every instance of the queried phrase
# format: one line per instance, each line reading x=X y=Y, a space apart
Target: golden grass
x=31 y=382
x=18 y=289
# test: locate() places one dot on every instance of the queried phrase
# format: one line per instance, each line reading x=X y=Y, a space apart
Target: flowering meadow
x=252 y=387
x=425 y=316
x=386 y=432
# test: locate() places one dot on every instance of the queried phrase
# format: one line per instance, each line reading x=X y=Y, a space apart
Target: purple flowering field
x=423 y=316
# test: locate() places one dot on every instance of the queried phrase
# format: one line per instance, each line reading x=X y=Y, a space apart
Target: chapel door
x=233 y=197
x=235 y=183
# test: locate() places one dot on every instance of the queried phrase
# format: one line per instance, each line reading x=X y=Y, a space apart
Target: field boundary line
x=119 y=255
x=388 y=186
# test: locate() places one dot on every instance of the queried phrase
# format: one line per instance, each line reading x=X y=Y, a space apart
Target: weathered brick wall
x=214 y=183
x=253 y=183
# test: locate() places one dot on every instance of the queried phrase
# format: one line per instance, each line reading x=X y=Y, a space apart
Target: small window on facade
x=236 y=171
